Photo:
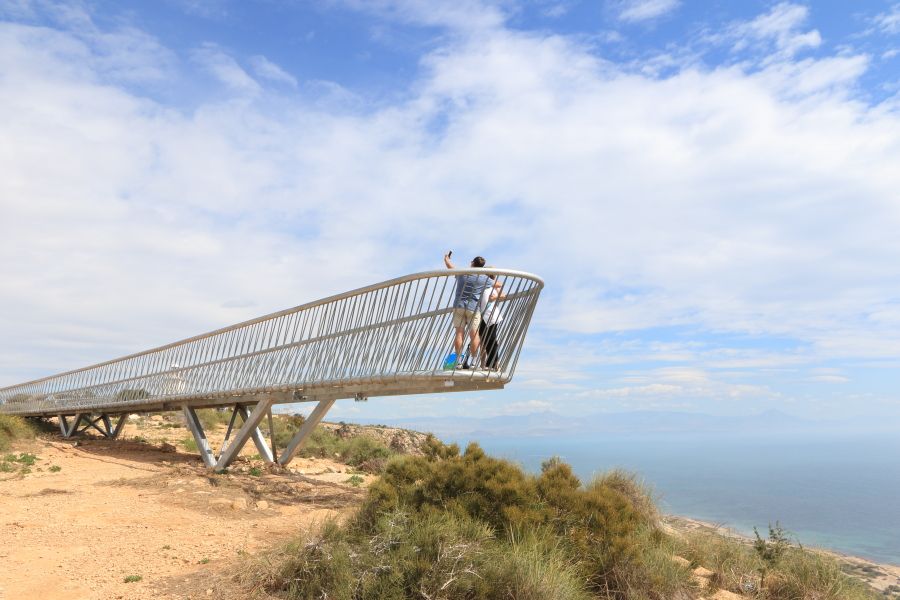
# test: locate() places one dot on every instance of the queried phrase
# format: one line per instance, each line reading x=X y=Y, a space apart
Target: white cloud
x=889 y=21
x=643 y=10
x=225 y=69
x=266 y=69
x=755 y=202
x=780 y=27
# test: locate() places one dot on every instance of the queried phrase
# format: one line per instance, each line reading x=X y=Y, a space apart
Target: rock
x=209 y=592
x=703 y=572
x=681 y=561
x=220 y=503
x=239 y=504
x=262 y=505
x=157 y=418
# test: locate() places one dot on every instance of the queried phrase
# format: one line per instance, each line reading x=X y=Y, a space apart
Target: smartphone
x=450 y=254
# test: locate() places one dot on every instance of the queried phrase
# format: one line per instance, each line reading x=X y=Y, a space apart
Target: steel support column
x=193 y=423
x=66 y=429
x=264 y=450
x=305 y=430
x=232 y=447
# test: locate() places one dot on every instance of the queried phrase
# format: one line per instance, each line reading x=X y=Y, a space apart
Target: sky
x=709 y=189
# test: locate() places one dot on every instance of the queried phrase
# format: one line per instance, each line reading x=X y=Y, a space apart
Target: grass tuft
x=13 y=428
x=797 y=573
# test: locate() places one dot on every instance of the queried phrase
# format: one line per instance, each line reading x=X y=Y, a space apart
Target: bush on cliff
x=796 y=574
x=466 y=525
x=13 y=428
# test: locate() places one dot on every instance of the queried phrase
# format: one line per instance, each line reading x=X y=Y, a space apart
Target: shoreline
x=878 y=575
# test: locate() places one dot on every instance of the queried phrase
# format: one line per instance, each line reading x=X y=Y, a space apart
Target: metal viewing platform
x=385 y=339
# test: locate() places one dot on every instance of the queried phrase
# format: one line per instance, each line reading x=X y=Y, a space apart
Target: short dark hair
x=478 y=262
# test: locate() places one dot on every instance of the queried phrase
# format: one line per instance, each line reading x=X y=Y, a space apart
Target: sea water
x=834 y=491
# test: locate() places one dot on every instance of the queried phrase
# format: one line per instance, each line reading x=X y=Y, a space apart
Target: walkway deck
x=385 y=339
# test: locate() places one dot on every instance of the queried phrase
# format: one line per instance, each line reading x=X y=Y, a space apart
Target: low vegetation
x=454 y=524
x=12 y=429
x=365 y=453
x=466 y=525
x=772 y=567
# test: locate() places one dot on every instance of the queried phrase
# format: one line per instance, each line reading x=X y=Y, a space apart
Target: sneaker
x=450 y=362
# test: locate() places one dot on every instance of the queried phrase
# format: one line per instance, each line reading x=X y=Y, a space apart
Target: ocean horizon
x=829 y=490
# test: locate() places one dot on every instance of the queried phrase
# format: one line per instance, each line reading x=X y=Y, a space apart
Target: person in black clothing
x=488 y=328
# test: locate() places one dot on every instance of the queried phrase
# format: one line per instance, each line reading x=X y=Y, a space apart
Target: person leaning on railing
x=466 y=313
x=491 y=316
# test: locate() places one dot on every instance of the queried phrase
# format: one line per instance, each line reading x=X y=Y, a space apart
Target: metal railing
x=386 y=338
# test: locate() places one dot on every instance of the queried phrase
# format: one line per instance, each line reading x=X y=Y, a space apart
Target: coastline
x=879 y=576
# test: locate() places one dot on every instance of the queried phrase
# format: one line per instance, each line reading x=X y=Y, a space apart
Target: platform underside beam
x=461 y=381
x=81 y=422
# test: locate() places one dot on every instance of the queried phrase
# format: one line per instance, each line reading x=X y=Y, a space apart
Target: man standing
x=466 y=314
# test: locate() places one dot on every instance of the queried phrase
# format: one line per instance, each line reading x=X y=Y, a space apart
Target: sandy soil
x=122 y=508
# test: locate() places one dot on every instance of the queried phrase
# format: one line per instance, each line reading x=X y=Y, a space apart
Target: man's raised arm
x=447 y=261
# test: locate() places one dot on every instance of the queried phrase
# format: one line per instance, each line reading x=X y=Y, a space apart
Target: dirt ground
x=92 y=512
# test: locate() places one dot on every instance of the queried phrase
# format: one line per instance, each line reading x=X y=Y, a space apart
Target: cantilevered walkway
x=386 y=339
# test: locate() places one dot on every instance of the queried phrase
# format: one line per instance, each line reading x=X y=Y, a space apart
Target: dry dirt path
x=116 y=509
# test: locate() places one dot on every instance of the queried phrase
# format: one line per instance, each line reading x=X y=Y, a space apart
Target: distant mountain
x=552 y=423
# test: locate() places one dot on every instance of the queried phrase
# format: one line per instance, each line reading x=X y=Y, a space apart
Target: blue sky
x=708 y=188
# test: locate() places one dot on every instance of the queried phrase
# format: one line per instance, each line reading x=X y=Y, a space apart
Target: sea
x=838 y=491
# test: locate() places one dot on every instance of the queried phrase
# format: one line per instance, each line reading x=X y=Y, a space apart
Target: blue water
x=832 y=491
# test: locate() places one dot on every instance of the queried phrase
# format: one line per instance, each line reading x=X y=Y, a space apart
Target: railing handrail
x=309 y=305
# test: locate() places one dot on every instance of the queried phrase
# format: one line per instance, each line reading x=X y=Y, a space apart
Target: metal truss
x=390 y=336
x=249 y=430
x=81 y=422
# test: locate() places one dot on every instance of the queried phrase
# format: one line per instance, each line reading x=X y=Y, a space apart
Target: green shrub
x=285 y=428
x=211 y=418
x=735 y=565
x=638 y=492
x=532 y=566
x=363 y=452
x=308 y=567
x=189 y=444
x=804 y=574
x=14 y=428
x=786 y=573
